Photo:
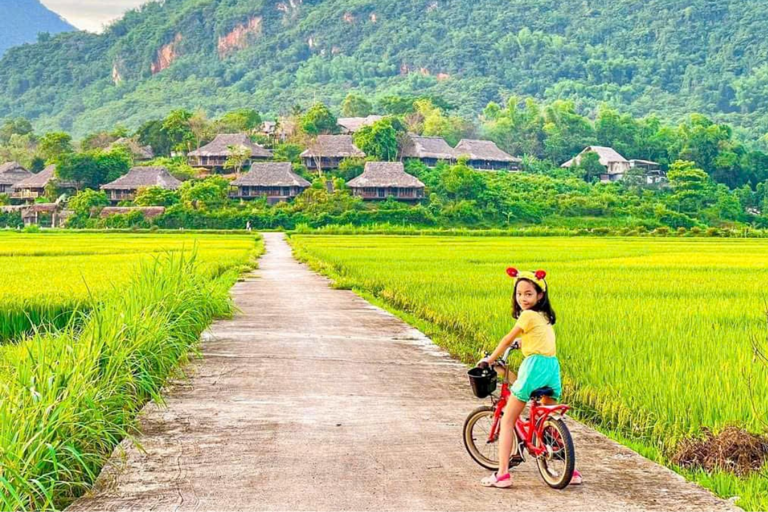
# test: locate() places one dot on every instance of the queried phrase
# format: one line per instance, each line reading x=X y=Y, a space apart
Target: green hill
x=22 y=20
x=667 y=56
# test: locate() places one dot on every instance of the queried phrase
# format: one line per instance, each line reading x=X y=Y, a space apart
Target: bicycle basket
x=483 y=381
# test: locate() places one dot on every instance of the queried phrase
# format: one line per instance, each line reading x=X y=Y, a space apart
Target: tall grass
x=654 y=335
x=68 y=398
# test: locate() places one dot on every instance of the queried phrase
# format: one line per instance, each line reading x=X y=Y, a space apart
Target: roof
x=339 y=146
x=12 y=173
x=41 y=180
x=143 y=152
x=483 y=150
x=139 y=177
x=353 y=124
x=220 y=146
x=607 y=156
x=271 y=174
x=416 y=146
x=643 y=162
x=148 y=211
x=385 y=174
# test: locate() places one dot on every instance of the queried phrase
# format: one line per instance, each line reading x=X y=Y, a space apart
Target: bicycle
x=543 y=435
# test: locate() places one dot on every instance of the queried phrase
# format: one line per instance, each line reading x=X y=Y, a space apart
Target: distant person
x=540 y=368
x=248 y=226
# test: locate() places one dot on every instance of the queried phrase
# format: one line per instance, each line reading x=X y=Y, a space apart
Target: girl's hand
x=484 y=362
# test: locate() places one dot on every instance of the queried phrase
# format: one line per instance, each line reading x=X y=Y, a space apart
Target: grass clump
x=68 y=398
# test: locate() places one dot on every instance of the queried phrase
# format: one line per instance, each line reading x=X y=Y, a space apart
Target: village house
x=47 y=215
x=381 y=180
x=616 y=166
x=125 y=187
x=214 y=156
x=138 y=152
x=327 y=152
x=429 y=150
x=652 y=173
x=274 y=181
x=10 y=174
x=33 y=187
x=486 y=155
x=350 y=125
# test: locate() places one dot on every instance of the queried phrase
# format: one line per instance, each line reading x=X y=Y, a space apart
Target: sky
x=91 y=15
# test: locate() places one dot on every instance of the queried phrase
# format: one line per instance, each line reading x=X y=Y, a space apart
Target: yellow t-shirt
x=538 y=335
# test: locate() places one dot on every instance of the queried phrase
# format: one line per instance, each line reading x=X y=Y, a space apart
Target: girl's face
x=526 y=296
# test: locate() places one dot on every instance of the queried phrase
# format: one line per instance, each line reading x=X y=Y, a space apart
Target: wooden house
x=616 y=166
x=430 y=150
x=350 y=125
x=274 y=181
x=10 y=174
x=138 y=152
x=327 y=152
x=33 y=187
x=213 y=156
x=125 y=187
x=381 y=180
x=486 y=155
x=651 y=171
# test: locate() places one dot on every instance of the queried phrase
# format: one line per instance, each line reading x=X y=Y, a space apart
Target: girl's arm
x=505 y=342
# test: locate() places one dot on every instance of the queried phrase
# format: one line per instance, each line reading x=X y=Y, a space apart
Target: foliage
x=209 y=193
x=379 y=140
x=156 y=196
x=54 y=144
x=93 y=168
x=319 y=120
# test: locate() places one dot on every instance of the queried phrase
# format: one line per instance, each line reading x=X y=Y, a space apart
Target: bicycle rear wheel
x=477 y=429
x=558 y=461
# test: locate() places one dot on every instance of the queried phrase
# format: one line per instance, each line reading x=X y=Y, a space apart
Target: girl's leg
x=511 y=412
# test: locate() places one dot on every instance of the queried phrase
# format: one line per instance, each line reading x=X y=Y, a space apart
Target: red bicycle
x=543 y=435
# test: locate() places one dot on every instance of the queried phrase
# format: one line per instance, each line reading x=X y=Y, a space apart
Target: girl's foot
x=576 y=478
x=501 y=482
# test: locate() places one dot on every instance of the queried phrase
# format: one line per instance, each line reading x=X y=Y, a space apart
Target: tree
x=153 y=134
x=83 y=202
x=202 y=129
x=17 y=126
x=319 y=120
x=156 y=196
x=238 y=157
x=461 y=182
x=589 y=167
x=241 y=120
x=93 y=168
x=379 y=140
x=691 y=187
x=356 y=106
x=54 y=144
x=206 y=194
x=177 y=128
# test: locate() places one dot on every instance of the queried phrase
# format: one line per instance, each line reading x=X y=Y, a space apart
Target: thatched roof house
x=349 y=125
x=140 y=153
x=381 y=180
x=485 y=154
x=615 y=164
x=125 y=187
x=34 y=186
x=148 y=212
x=215 y=154
x=327 y=151
x=274 y=180
x=430 y=150
x=10 y=174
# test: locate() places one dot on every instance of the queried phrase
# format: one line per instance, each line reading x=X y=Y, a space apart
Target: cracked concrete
x=313 y=399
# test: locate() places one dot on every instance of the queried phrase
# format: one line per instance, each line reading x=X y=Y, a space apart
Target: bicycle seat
x=537 y=394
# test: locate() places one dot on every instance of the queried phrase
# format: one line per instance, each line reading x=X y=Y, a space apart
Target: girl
x=540 y=368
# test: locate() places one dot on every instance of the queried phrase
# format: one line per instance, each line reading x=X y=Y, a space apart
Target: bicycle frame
x=528 y=431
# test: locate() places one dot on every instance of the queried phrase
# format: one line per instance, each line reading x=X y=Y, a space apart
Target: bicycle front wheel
x=557 y=462
x=477 y=431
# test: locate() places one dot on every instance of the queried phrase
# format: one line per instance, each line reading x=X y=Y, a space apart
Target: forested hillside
x=672 y=57
x=22 y=20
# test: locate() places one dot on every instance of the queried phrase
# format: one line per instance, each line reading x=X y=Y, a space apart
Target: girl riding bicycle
x=540 y=368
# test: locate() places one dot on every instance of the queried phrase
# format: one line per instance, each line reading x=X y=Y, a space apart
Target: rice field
x=655 y=336
x=69 y=396
x=47 y=276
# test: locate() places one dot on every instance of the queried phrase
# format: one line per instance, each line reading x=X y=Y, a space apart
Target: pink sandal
x=576 y=478
x=498 y=482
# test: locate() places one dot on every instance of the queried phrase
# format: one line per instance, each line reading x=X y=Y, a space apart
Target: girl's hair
x=542 y=306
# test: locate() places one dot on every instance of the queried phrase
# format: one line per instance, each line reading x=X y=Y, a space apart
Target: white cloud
x=91 y=15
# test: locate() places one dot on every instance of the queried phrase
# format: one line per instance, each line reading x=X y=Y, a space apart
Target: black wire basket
x=483 y=381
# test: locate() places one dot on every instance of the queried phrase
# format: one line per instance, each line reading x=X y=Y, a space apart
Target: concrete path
x=313 y=399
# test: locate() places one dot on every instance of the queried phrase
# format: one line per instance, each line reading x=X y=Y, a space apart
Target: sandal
x=498 y=482
x=576 y=478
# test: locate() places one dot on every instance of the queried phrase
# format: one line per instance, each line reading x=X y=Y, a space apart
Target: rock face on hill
x=672 y=57
x=22 y=20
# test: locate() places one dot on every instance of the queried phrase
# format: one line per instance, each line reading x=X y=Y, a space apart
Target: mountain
x=670 y=57
x=22 y=20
